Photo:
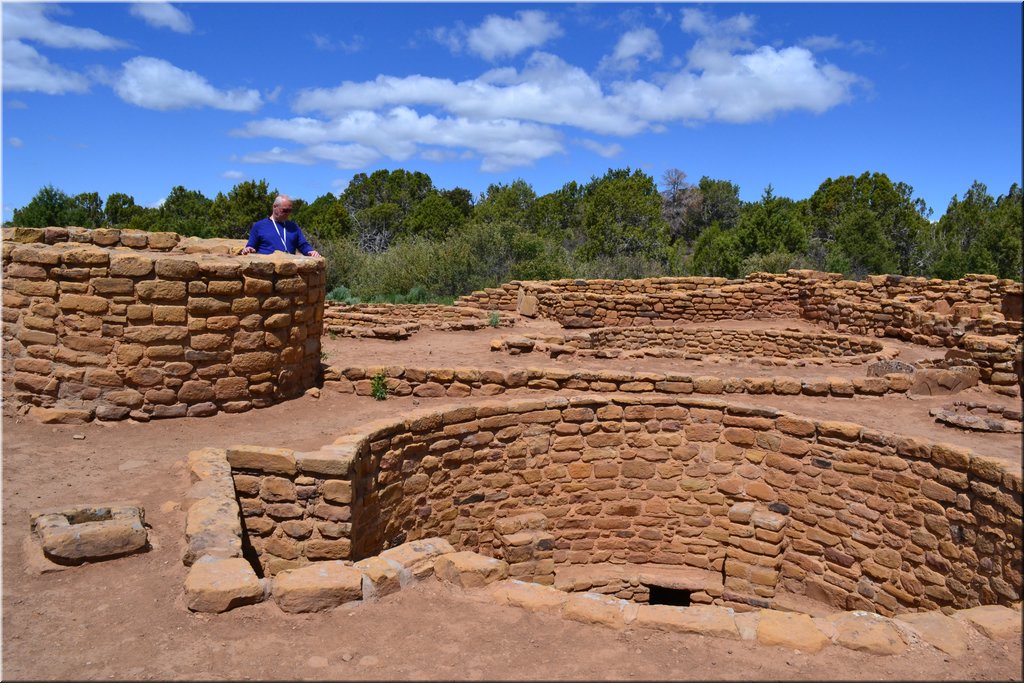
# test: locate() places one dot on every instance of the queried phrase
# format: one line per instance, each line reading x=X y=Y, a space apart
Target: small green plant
x=323 y=355
x=379 y=386
x=342 y=294
x=493 y=319
x=332 y=334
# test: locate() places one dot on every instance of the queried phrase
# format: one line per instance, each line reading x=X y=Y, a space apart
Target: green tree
x=49 y=207
x=434 y=218
x=145 y=218
x=120 y=209
x=861 y=246
x=186 y=212
x=901 y=218
x=326 y=218
x=719 y=203
x=716 y=253
x=86 y=210
x=232 y=215
x=621 y=215
x=773 y=224
x=461 y=199
x=503 y=202
x=557 y=216
x=979 y=234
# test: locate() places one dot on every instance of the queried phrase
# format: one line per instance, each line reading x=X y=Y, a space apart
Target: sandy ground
x=125 y=619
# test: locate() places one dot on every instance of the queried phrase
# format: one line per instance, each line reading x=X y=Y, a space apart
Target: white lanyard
x=281 y=232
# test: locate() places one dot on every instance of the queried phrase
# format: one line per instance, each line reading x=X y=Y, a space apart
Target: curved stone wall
x=763 y=499
x=113 y=329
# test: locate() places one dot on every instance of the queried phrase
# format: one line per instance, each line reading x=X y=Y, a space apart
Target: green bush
x=379 y=386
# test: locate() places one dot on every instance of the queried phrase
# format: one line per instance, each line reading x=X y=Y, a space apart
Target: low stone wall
x=399 y=321
x=503 y=298
x=462 y=381
x=938 y=313
x=771 y=345
x=112 y=330
x=763 y=300
x=856 y=518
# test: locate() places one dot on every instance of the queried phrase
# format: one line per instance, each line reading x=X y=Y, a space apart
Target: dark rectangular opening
x=677 y=597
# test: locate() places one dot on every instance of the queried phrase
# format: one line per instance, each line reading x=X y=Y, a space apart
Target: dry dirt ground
x=126 y=619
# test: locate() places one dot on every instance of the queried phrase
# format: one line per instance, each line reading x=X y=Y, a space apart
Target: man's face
x=282 y=211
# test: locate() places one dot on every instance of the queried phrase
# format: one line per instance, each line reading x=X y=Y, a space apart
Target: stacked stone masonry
x=460 y=381
x=399 y=321
x=978 y=317
x=766 y=500
x=665 y=341
x=220 y=579
x=148 y=325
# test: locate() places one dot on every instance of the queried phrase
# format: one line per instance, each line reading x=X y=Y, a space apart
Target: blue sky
x=138 y=98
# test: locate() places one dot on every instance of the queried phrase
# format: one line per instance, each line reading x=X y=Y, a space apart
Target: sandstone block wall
x=399 y=321
x=295 y=509
x=861 y=519
x=113 y=329
x=460 y=381
x=674 y=341
x=938 y=313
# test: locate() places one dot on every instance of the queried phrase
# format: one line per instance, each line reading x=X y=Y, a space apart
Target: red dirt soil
x=126 y=618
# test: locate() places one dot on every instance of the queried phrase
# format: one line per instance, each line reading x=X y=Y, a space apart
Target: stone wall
x=858 y=518
x=772 y=345
x=938 y=313
x=399 y=321
x=461 y=381
x=130 y=325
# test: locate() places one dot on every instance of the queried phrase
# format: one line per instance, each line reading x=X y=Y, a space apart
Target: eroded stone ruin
x=655 y=498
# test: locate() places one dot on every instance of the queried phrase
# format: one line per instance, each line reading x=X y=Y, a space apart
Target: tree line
x=394 y=233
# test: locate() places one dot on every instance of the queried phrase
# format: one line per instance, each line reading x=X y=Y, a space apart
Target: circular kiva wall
x=117 y=331
x=767 y=500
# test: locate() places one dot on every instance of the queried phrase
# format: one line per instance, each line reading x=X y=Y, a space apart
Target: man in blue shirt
x=277 y=233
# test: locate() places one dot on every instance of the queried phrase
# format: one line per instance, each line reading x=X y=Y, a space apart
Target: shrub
x=379 y=386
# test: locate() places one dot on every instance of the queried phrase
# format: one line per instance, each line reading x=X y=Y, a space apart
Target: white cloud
x=825 y=43
x=510 y=117
x=157 y=84
x=607 y=151
x=343 y=156
x=15 y=104
x=451 y=38
x=163 y=15
x=398 y=134
x=548 y=90
x=632 y=46
x=24 y=21
x=504 y=37
x=322 y=42
x=27 y=70
x=15 y=142
x=232 y=175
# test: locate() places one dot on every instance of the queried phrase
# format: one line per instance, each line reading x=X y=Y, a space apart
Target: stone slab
x=938 y=630
x=530 y=596
x=788 y=629
x=995 y=621
x=217 y=585
x=418 y=556
x=866 y=632
x=317 y=587
x=703 y=619
x=470 y=570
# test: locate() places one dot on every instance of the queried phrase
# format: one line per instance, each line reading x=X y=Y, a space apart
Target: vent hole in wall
x=676 y=597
